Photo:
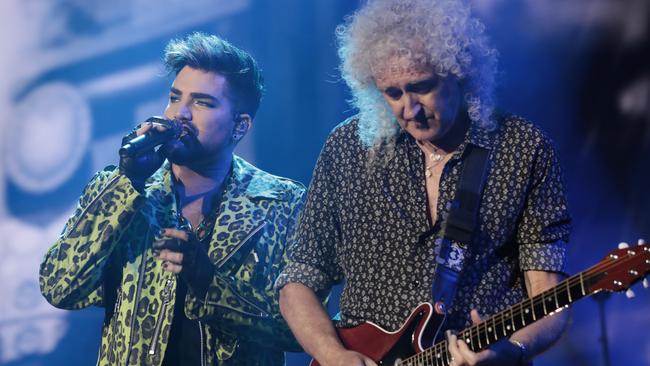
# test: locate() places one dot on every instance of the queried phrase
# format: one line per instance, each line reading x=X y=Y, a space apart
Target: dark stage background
x=75 y=75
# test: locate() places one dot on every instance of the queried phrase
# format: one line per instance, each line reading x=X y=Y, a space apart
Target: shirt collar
x=475 y=135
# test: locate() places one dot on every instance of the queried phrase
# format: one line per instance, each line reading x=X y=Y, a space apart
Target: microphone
x=152 y=138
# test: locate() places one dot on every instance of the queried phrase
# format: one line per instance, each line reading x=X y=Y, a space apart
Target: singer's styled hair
x=439 y=34
x=213 y=54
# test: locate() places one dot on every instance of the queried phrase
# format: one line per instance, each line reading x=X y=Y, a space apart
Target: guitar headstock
x=622 y=268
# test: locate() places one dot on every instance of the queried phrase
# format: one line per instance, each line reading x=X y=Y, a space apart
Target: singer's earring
x=236 y=136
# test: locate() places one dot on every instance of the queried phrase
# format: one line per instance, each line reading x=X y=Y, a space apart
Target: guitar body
x=388 y=348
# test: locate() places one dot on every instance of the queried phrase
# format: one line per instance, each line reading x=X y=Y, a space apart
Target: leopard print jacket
x=104 y=258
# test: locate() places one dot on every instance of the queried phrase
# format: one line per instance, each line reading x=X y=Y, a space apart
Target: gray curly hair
x=433 y=33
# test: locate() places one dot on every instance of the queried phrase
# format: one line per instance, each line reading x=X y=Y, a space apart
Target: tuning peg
x=641 y=241
x=623 y=245
x=645 y=283
x=629 y=293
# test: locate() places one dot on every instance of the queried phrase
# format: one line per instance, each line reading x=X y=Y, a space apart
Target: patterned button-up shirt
x=370 y=227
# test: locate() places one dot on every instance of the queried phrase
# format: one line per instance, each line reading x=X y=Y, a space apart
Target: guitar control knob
x=440 y=308
x=623 y=245
x=629 y=293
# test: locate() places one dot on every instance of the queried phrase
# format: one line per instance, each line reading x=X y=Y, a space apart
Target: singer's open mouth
x=188 y=129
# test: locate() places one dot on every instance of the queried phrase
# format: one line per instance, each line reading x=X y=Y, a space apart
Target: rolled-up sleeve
x=543 y=232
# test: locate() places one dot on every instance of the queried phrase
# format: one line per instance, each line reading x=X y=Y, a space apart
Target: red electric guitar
x=413 y=344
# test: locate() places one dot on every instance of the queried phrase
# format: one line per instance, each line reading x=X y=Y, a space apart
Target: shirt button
x=416 y=283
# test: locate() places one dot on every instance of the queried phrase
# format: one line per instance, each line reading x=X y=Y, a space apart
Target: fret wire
x=582 y=285
x=557 y=304
x=488 y=329
x=465 y=337
x=435 y=354
x=486 y=332
x=445 y=355
x=568 y=289
x=494 y=325
x=422 y=356
x=521 y=312
x=512 y=320
x=473 y=337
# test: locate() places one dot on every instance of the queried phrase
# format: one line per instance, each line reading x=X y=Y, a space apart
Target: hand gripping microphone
x=152 y=138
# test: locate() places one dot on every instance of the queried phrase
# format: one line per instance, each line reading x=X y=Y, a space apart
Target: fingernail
x=448 y=333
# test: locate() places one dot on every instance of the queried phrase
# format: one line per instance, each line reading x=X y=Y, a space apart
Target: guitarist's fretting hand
x=502 y=353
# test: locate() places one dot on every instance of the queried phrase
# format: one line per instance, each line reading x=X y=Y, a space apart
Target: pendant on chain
x=435 y=159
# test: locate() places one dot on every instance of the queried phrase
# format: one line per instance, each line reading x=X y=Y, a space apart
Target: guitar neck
x=508 y=321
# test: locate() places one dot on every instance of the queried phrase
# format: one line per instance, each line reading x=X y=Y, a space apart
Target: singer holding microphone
x=181 y=243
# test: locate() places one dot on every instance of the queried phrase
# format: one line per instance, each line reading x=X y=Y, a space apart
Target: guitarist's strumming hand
x=502 y=353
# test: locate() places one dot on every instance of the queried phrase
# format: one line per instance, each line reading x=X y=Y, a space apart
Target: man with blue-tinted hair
x=181 y=244
x=377 y=216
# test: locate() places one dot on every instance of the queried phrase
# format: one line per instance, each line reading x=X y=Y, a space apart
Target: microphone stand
x=601 y=298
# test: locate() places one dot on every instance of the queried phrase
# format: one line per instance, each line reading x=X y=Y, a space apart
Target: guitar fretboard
x=506 y=322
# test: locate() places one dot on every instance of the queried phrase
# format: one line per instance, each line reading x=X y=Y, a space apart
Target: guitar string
x=440 y=349
x=509 y=314
x=590 y=273
x=570 y=283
